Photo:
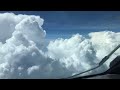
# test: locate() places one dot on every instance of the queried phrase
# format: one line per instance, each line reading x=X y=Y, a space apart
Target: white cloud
x=32 y=69
x=77 y=52
x=104 y=42
x=21 y=54
x=83 y=53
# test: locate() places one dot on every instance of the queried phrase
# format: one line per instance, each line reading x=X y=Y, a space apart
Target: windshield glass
x=56 y=44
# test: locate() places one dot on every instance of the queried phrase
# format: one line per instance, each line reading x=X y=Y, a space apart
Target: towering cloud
x=22 y=56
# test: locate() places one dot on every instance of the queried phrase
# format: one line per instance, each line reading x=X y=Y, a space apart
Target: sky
x=65 y=23
x=56 y=44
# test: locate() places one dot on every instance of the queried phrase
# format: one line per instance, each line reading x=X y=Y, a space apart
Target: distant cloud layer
x=22 y=40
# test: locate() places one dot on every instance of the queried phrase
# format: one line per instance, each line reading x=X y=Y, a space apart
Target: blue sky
x=65 y=23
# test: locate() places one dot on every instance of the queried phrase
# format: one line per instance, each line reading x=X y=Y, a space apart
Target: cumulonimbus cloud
x=21 y=55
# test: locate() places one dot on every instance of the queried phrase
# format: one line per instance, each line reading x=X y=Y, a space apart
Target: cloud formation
x=22 y=56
